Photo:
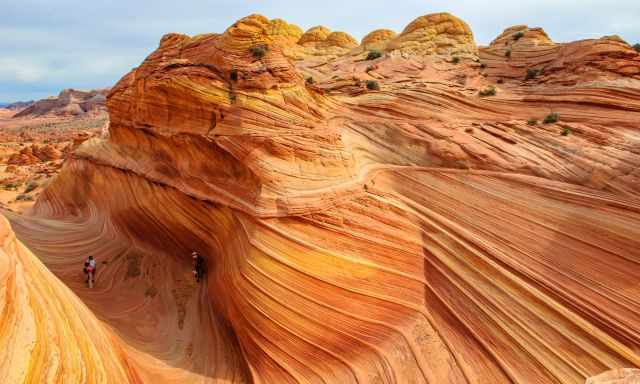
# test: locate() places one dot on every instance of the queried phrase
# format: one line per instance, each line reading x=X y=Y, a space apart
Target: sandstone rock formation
x=69 y=102
x=617 y=376
x=320 y=41
x=520 y=49
x=24 y=157
x=49 y=335
x=34 y=153
x=376 y=40
x=440 y=33
x=418 y=233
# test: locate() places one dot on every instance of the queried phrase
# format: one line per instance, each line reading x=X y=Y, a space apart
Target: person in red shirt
x=90 y=270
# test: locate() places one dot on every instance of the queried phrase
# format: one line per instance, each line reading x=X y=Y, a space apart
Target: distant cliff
x=17 y=105
x=69 y=102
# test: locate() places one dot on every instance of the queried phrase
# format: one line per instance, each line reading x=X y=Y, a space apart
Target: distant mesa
x=19 y=105
x=69 y=102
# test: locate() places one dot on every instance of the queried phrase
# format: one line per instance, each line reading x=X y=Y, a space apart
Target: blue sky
x=50 y=45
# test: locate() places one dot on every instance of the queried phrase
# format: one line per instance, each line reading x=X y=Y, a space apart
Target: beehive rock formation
x=418 y=233
x=437 y=33
x=376 y=40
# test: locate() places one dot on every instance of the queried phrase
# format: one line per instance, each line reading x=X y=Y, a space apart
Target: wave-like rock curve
x=414 y=234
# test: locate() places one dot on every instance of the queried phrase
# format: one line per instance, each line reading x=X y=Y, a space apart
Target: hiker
x=90 y=270
x=198 y=265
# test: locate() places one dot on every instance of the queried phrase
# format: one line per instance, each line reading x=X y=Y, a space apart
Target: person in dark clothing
x=198 y=265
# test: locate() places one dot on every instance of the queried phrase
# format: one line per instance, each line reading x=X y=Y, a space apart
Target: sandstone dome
x=439 y=33
x=314 y=35
x=377 y=36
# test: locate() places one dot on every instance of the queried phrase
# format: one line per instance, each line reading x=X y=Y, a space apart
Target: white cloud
x=23 y=72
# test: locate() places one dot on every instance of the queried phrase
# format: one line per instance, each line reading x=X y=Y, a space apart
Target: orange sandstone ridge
x=398 y=217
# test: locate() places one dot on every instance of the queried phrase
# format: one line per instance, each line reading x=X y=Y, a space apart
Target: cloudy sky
x=50 y=45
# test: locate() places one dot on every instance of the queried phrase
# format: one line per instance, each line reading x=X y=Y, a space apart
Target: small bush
x=507 y=53
x=532 y=122
x=500 y=81
x=10 y=186
x=565 y=132
x=531 y=73
x=455 y=60
x=370 y=68
x=309 y=80
x=259 y=51
x=31 y=186
x=637 y=47
x=551 y=118
x=483 y=65
x=151 y=291
x=489 y=91
x=233 y=75
x=372 y=55
x=518 y=35
x=24 y=197
x=373 y=85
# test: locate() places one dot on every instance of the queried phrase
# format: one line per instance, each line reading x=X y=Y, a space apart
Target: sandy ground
x=5 y=114
x=16 y=193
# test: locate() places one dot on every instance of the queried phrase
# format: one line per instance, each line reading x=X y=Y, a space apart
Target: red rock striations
x=520 y=49
x=414 y=233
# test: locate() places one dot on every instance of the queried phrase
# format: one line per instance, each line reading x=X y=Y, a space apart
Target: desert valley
x=36 y=137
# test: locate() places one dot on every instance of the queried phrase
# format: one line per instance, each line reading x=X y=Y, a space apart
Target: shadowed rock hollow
x=419 y=233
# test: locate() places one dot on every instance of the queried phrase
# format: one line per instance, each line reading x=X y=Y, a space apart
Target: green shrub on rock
x=373 y=85
x=518 y=35
x=531 y=73
x=259 y=51
x=372 y=55
x=551 y=118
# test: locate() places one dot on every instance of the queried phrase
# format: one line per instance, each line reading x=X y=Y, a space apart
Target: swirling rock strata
x=47 y=333
x=414 y=234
